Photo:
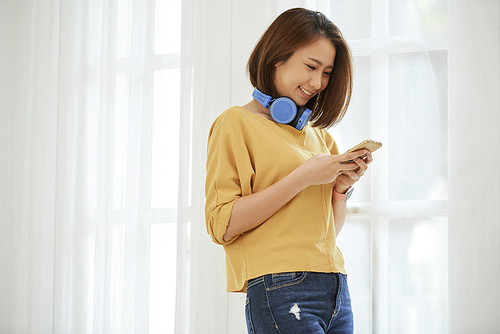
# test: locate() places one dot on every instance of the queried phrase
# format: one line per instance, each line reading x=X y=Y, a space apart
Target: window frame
x=380 y=209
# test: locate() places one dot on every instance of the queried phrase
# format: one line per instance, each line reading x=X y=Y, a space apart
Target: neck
x=257 y=108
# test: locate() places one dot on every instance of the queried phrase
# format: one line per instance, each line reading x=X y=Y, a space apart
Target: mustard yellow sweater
x=246 y=154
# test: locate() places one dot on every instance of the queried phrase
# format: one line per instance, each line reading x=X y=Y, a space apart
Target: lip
x=304 y=94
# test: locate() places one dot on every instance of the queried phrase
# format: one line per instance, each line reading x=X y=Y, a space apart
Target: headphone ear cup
x=283 y=110
x=303 y=116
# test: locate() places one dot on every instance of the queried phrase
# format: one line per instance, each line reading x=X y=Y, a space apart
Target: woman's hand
x=323 y=169
x=348 y=177
x=344 y=181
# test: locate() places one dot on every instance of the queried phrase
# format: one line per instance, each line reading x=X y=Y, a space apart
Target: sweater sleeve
x=330 y=142
x=229 y=174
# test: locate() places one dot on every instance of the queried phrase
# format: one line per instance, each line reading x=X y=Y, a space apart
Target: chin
x=302 y=103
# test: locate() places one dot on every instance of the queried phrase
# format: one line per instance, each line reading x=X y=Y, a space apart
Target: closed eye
x=313 y=68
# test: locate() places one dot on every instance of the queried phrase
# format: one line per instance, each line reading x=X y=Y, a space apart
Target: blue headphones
x=284 y=110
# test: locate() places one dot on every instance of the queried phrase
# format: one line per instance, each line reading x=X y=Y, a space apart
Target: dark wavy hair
x=290 y=31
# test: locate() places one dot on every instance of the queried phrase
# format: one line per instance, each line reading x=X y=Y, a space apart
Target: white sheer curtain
x=88 y=228
x=474 y=232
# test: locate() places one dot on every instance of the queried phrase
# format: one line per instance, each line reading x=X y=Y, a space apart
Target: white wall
x=6 y=90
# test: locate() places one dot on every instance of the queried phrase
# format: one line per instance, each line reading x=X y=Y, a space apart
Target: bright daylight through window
x=161 y=116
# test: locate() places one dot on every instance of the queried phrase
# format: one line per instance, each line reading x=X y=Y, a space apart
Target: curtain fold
x=33 y=169
x=211 y=55
x=67 y=267
x=474 y=234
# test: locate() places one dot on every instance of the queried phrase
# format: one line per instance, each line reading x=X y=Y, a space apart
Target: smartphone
x=370 y=145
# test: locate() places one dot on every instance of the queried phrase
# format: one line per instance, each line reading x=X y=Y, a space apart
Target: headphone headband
x=261 y=97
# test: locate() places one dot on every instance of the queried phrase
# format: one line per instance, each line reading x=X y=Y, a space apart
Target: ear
x=279 y=63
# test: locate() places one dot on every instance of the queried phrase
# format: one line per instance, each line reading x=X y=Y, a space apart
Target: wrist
x=341 y=189
x=342 y=193
x=342 y=197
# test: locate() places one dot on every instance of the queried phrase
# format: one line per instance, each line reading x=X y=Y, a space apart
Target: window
x=145 y=141
x=396 y=235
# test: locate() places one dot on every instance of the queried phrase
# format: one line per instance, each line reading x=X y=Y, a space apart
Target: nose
x=316 y=80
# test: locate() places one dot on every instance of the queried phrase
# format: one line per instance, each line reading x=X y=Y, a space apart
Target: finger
x=361 y=167
x=360 y=171
x=353 y=155
x=360 y=153
x=368 y=159
x=361 y=163
x=347 y=166
x=351 y=175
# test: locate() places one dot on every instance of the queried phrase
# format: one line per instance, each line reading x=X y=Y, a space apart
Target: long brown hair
x=292 y=30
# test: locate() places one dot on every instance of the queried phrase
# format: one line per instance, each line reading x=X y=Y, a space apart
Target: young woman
x=276 y=189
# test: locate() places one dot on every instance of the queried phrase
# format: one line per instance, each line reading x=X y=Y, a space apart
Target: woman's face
x=306 y=72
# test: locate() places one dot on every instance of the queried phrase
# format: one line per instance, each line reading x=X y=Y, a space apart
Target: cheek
x=324 y=82
x=278 y=80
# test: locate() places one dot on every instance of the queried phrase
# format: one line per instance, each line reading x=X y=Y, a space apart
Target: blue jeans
x=299 y=302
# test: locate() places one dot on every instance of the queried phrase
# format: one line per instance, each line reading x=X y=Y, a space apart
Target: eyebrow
x=318 y=62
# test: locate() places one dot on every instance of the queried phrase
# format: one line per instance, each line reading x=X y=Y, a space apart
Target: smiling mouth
x=308 y=93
